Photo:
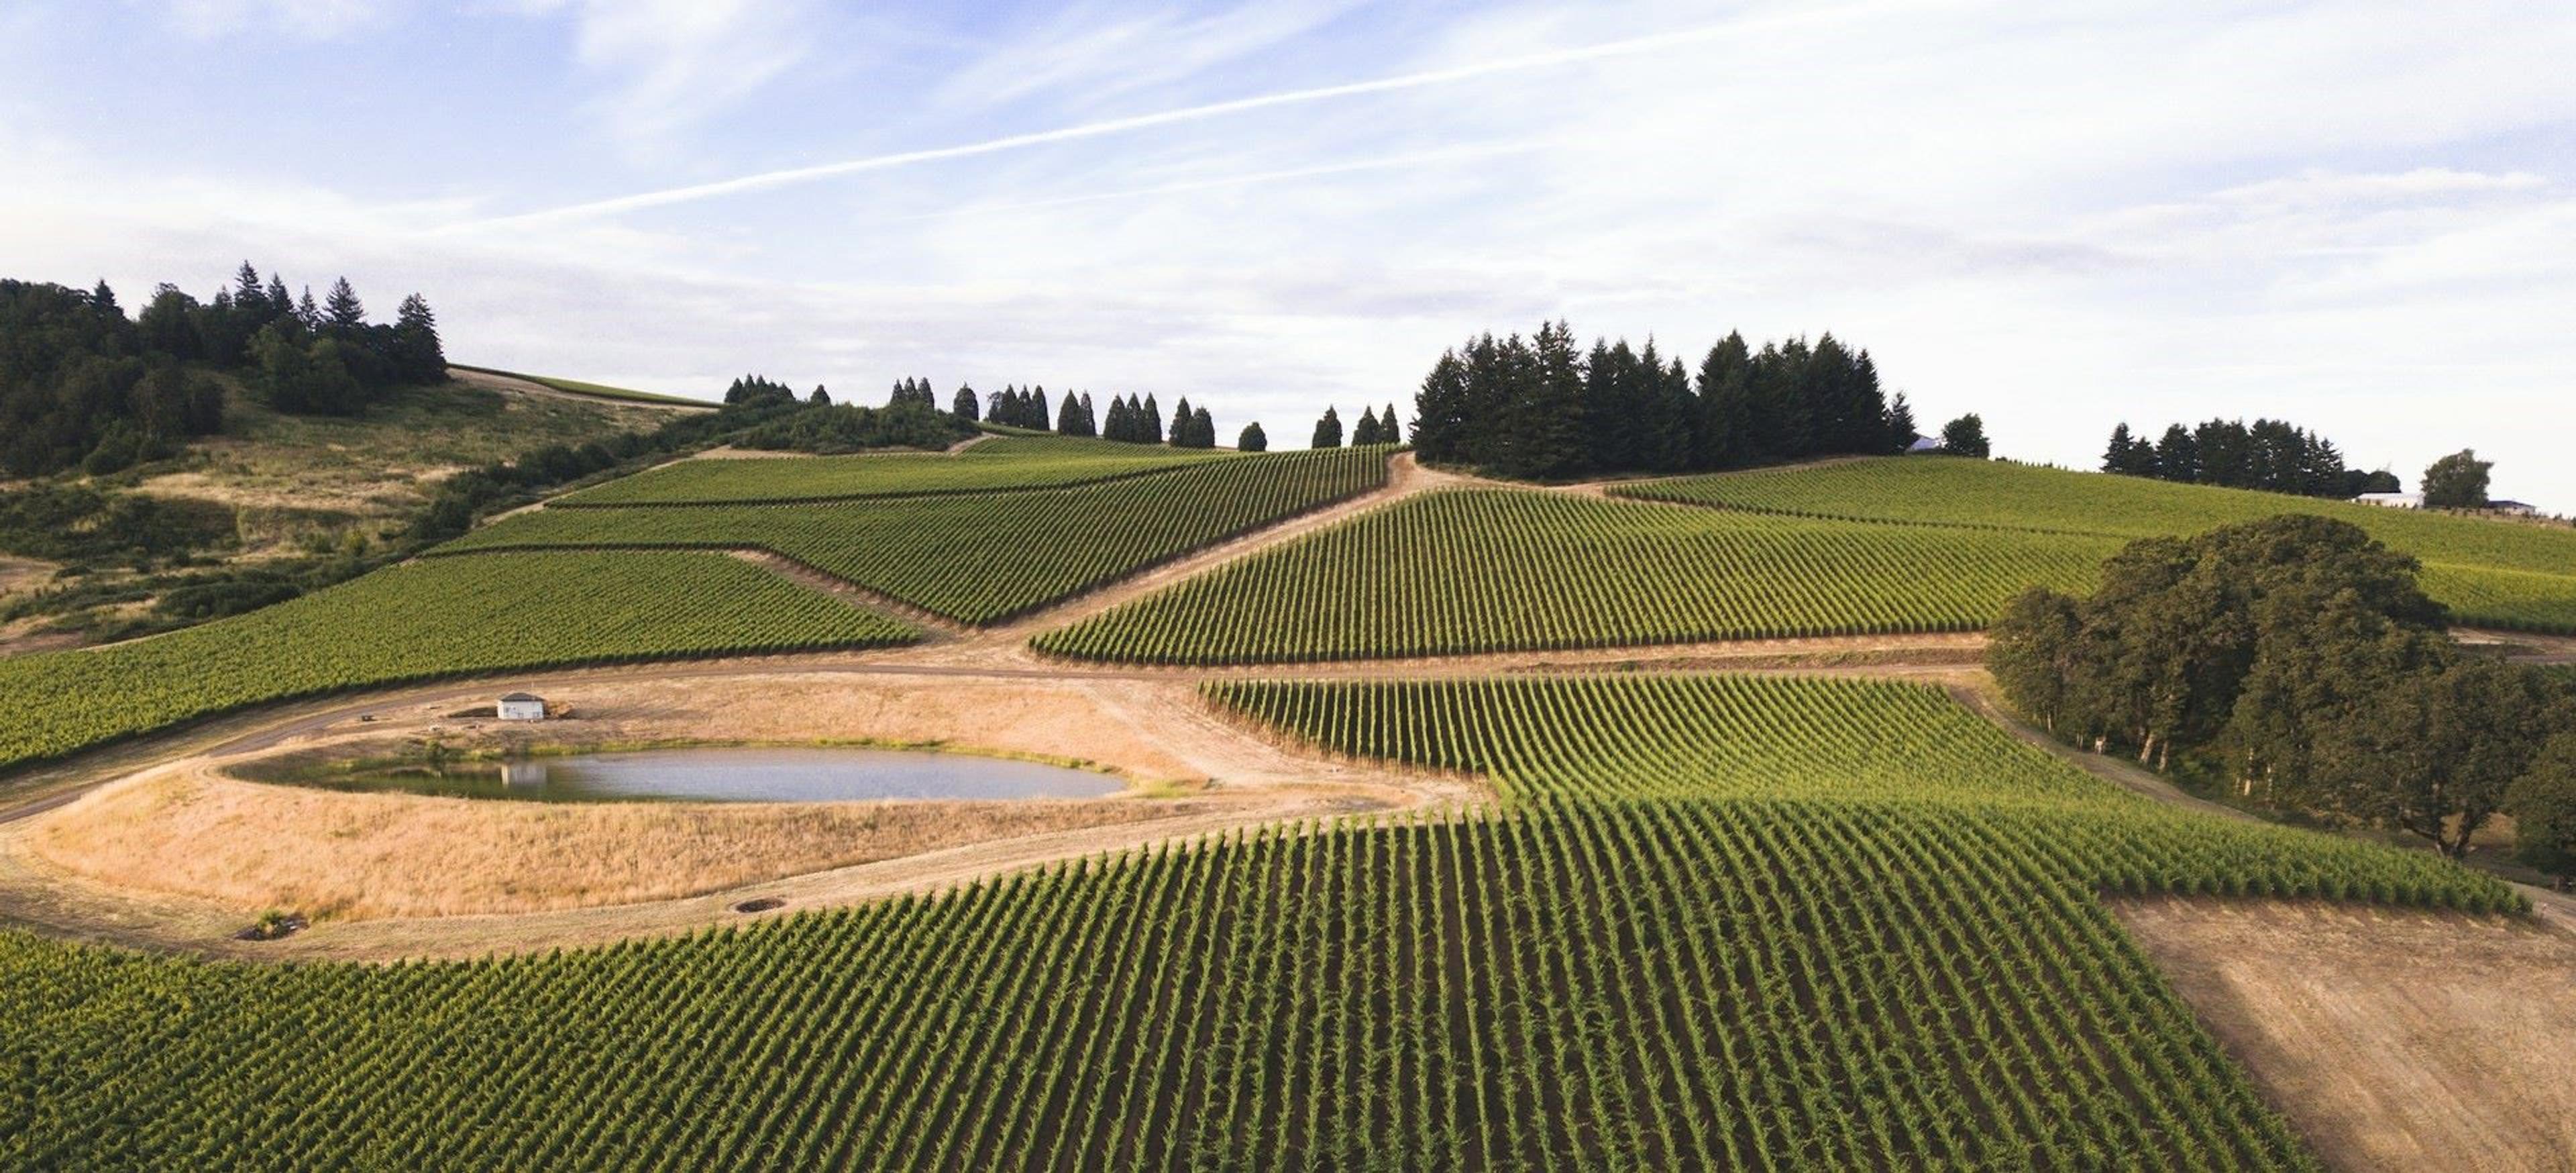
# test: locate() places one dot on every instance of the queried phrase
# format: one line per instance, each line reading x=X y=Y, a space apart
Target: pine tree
x=1440 y=423
x=1252 y=439
x=1180 y=433
x=343 y=315
x=1389 y=429
x=1726 y=404
x=1365 y=431
x=104 y=298
x=1328 y=430
x=1202 y=429
x=820 y=397
x=250 y=297
x=962 y=405
x=1037 y=409
x=308 y=314
x=1150 y=423
x=1901 y=433
x=2122 y=450
x=279 y=304
x=417 y=351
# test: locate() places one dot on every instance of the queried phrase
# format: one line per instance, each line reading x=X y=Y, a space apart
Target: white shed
x=2392 y=500
x=522 y=706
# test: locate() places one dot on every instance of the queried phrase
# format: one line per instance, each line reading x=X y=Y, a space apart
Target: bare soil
x=2392 y=1039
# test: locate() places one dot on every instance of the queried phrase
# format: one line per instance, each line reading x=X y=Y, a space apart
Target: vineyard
x=995 y=463
x=1729 y=973
x=440 y=618
x=2491 y=572
x=980 y=557
x=1495 y=570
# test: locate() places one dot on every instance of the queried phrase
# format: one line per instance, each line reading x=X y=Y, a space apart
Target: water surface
x=741 y=774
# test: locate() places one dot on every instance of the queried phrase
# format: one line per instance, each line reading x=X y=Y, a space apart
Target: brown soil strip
x=2392 y=1039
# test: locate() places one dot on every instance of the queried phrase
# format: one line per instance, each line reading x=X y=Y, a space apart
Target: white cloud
x=671 y=65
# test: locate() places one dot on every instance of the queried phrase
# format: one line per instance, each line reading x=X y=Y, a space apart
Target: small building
x=1923 y=444
x=2516 y=508
x=2393 y=500
x=522 y=706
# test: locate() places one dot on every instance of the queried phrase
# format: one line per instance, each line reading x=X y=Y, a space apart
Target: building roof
x=521 y=696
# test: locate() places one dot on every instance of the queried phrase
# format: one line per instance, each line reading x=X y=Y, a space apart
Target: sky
x=2061 y=216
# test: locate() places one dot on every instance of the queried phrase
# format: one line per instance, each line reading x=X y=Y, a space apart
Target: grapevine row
x=986 y=557
x=445 y=617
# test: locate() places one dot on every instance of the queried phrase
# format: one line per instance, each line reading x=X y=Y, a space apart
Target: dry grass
x=2392 y=1039
x=335 y=854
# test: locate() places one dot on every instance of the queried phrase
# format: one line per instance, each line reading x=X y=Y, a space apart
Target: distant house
x=2519 y=508
x=522 y=706
x=2393 y=500
x=1924 y=444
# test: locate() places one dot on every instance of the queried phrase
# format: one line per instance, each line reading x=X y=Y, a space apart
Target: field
x=410 y=622
x=594 y=390
x=1493 y=570
x=1701 y=949
x=2497 y=573
x=997 y=462
x=979 y=558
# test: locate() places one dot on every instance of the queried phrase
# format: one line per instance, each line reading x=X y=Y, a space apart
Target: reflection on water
x=742 y=774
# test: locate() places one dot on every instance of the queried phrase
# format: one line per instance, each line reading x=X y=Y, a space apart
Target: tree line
x=2298 y=659
x=1540 y=408
x=82 y=385
x=2272 y=455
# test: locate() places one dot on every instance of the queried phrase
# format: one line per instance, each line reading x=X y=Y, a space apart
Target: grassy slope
x=1699 y=943
x=999 y=462
x=293 y=485
x=596 y=390
x=417 y=621
x=2508 y=573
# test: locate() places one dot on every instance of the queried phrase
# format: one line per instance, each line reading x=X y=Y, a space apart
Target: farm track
x=493 y=382
x=999 y=652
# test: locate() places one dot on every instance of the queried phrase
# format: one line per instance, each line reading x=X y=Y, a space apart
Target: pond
x=737 y=774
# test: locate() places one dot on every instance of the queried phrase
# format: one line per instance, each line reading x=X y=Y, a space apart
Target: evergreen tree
x=1068 y=416
x=962 y=405
x=1365 y=431
x=1037 y=408
x=417 y=351
x=2178 y=455
x=2122 y=452
x=1544 y=426
x=279 y=304
x=1150 y=423
x=1726 y=405
x=820 y=397
x=1900 y=424
x=1252 y=439
x=250 y=297
x=1328 y=430
x=1389 y=429
x=343 y=315
x=1440 y=412
x=1179 y=436
x=103 y=298
x=1202 y=429
x=307 y=314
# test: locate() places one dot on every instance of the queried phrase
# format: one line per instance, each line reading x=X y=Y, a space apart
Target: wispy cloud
x=672 y=64
x=1652 y=43
x=307 y=19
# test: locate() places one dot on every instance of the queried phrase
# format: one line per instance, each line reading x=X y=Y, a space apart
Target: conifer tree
x=1726 y=404
x=1150 y=423
x=307 y=314
x=1037 y=409
x=250 y=298
x=279 y=303
x=418 y=353
x=1389 y=430
x=820 y=398
x=1202 y=429
x=1180 y=433
x=343 y=315
x=1900 y=424
x=1440 y=422
x=1328 y=430
x=1252 y=439
x=963 y=404
x=1365 y=431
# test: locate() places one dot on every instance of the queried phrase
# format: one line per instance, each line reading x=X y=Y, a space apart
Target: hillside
x=1463 y=824
x=271 y=495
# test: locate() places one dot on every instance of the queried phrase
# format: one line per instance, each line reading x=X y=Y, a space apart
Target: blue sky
x=2060 y=216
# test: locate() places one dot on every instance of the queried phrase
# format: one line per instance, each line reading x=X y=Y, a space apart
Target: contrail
x=1455 y=155
x=1633 y=46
